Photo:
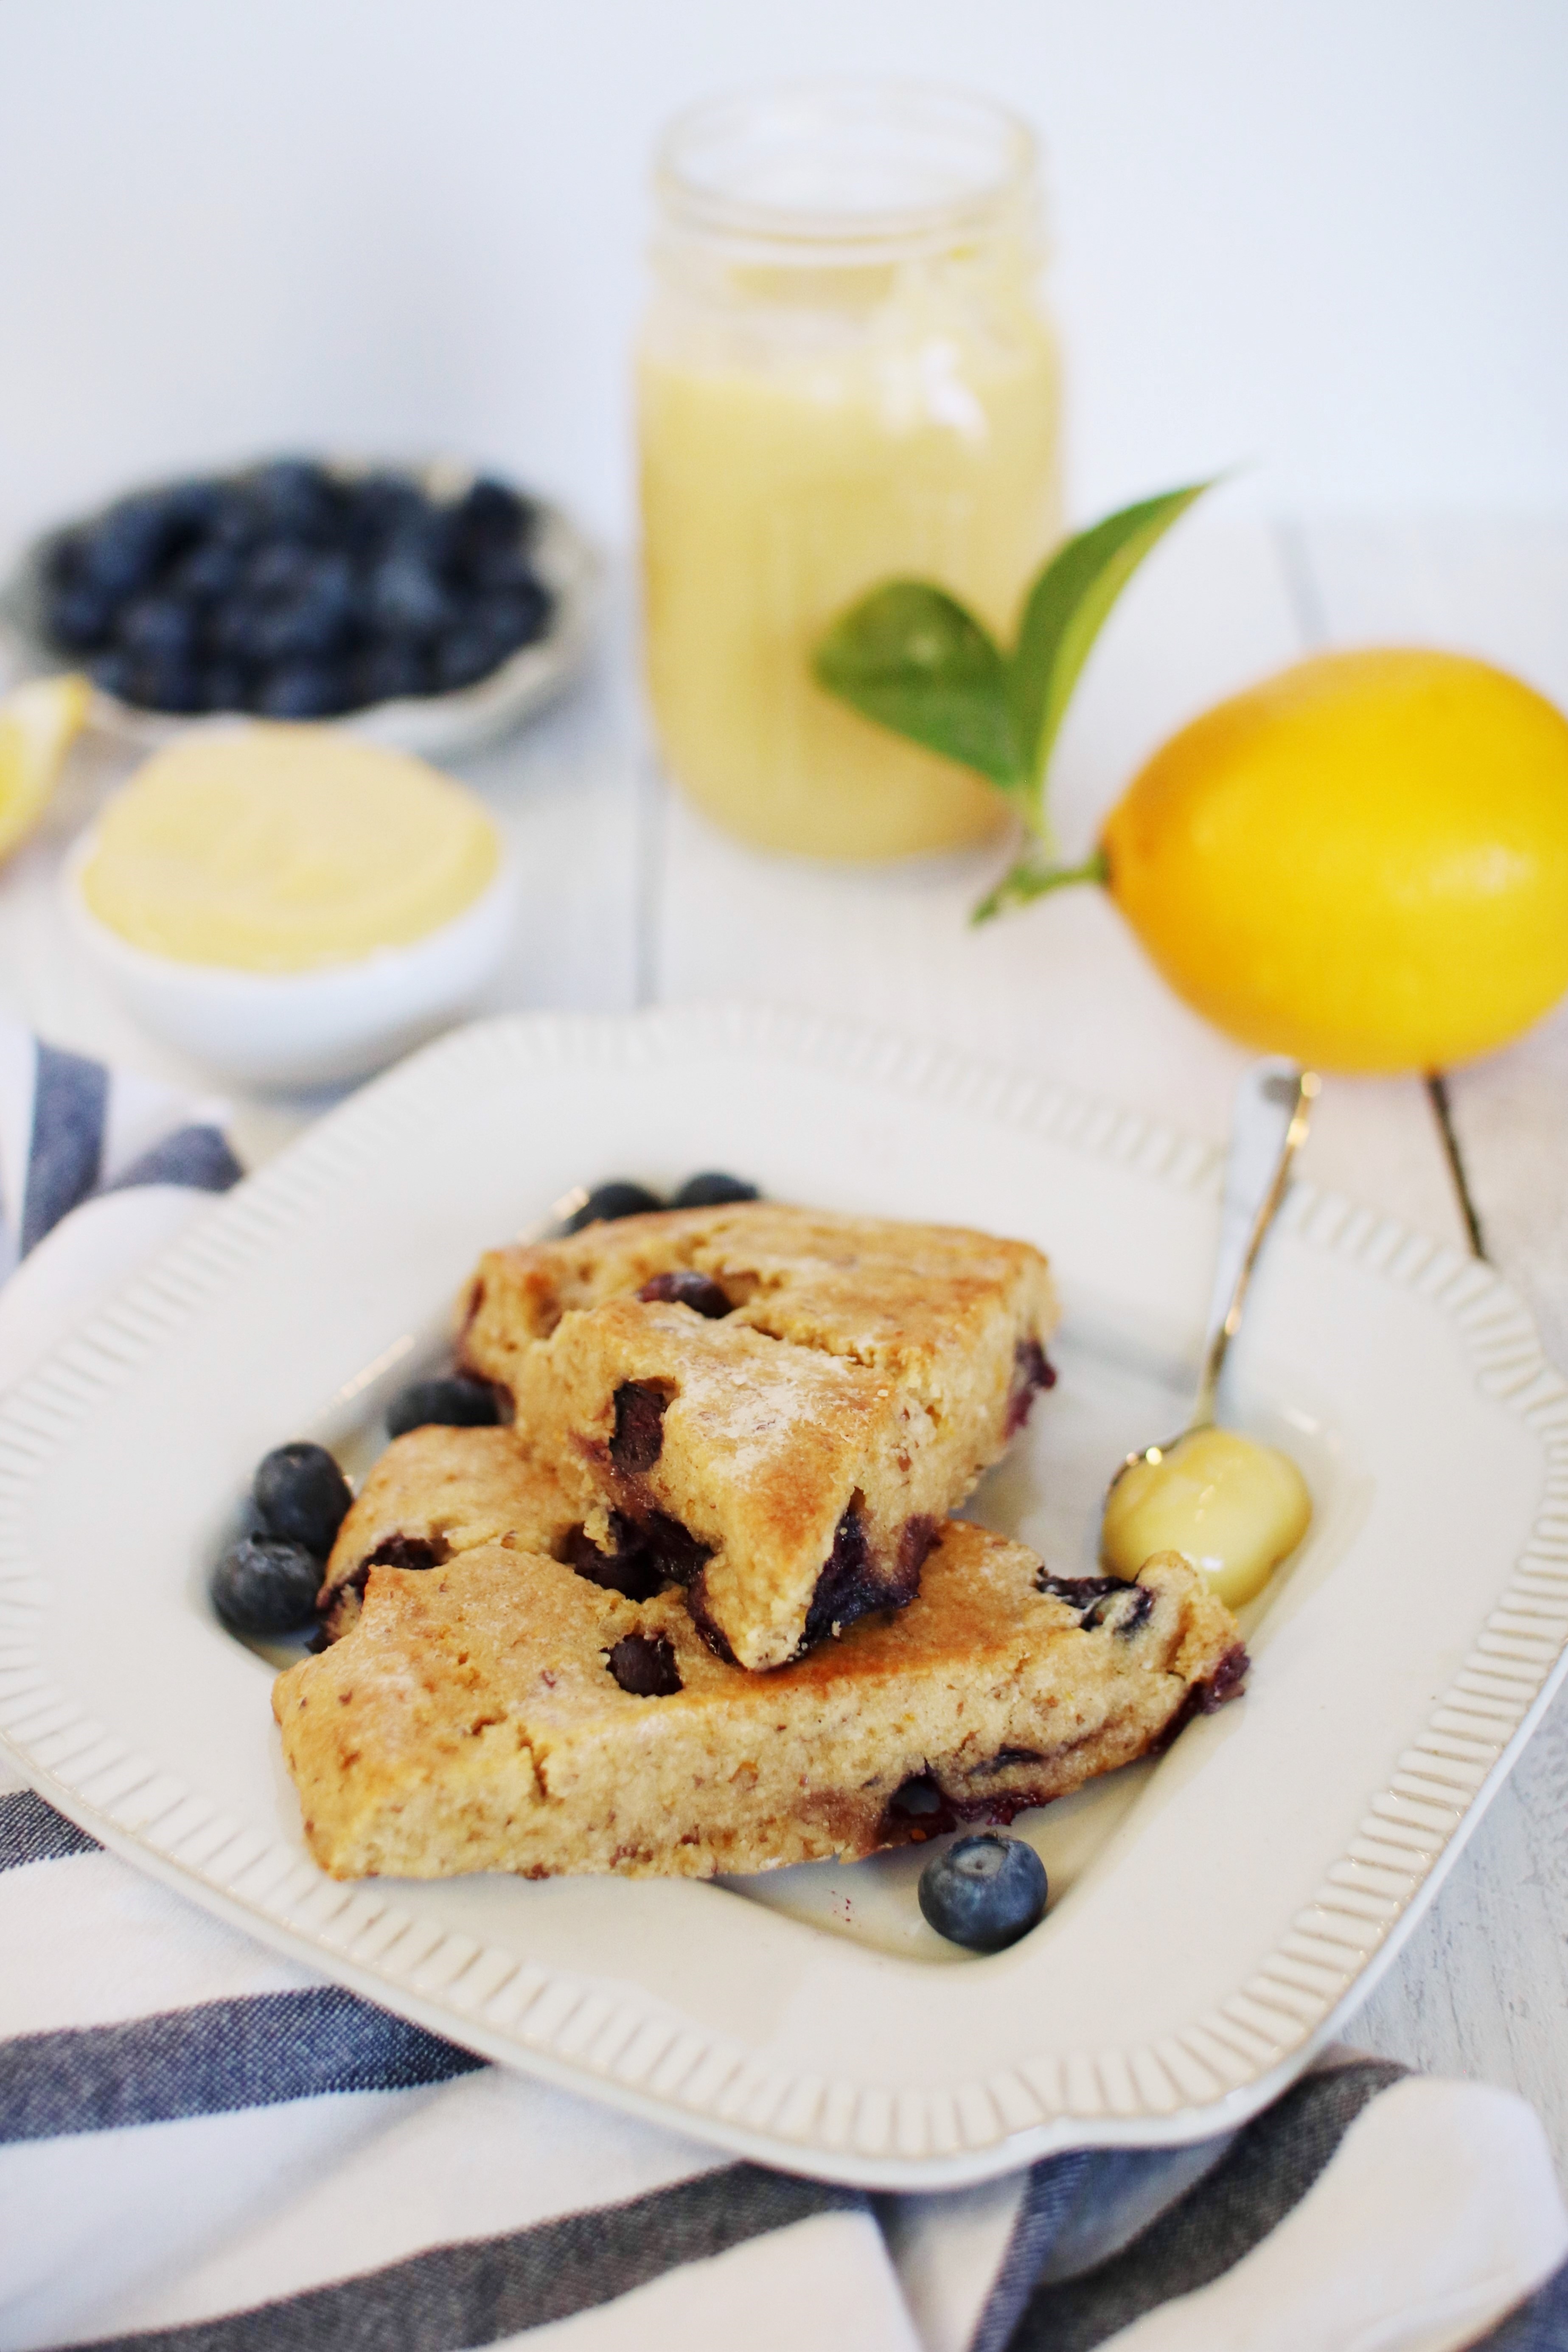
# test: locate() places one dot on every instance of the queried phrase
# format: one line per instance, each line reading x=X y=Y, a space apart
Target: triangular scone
x=437 y=1492
x=504 y=1713
x=785 y=1403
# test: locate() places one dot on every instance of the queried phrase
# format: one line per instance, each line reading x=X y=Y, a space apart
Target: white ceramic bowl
x=437 y=725
x=309 y=1028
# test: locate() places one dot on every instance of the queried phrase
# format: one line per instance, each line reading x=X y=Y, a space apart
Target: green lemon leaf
x=1067 y=608
x=910 y=657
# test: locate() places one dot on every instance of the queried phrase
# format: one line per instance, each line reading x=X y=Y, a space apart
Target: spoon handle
x=1273 y=1106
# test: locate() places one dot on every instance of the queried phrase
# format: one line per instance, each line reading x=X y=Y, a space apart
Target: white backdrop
x=1330 y=241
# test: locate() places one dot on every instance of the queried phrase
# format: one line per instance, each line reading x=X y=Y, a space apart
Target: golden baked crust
x=437 y=1492
x=795 y=1434
x=475 y=1716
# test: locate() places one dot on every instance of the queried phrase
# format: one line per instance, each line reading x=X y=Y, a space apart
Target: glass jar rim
x=843 y=169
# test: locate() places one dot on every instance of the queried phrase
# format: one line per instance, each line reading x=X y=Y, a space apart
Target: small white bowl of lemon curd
x=289 y=906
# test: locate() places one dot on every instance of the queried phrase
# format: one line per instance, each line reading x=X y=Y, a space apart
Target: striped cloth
x=204 y=2147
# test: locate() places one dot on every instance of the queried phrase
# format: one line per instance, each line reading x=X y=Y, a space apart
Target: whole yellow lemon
x=1362 y=862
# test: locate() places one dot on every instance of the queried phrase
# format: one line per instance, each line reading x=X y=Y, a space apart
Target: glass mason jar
x=844 y=375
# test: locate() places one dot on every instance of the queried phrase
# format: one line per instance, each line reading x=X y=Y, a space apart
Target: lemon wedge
x=38 y=724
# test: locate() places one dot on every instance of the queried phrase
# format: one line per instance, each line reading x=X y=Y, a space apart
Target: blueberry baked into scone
x=778 y=1407
x=504 y=1712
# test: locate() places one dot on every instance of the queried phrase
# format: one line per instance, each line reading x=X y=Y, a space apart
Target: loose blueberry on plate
x=264 y=1587
x=984 y=1890
x=712 y=1190
x=609 y=1202
x=303 y=1496
x=451 y=1400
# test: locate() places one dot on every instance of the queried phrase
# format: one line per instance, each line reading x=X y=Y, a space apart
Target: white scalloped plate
x=1214 y=1916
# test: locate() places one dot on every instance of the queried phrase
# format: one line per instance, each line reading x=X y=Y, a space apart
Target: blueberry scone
x=433 y=1494
x=783 y=1405
x=503 y=1712
x=439 y=1491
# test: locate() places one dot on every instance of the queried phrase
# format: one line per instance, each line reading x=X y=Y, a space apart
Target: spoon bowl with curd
x=1232 y=1507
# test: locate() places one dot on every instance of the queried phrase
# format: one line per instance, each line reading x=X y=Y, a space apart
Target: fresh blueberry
x=113 y=672
x=713 y=1189
x=463 y=656
x=451 y=1400
x=297 y=498
x=121 y=552
x=304 y=690
x=494 y=570
x=209 y=573
x=189 y=509
x=237 y=523
x=378 y=509
x=388 y=673
x=157 y=629
x=606 y=1203
x=984 y=1892
x=232 y=627
x=261 y=1587
x=79 y=617
x=224 y=686
x=174 y=684
x=62 y=559
x=278 y=568
x=491 y=514
x=313 y=618
x=515 y=616
x=407 y=597
x=301 y=1497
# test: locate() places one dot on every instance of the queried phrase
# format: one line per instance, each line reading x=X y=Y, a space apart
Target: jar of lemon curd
x=845 y=374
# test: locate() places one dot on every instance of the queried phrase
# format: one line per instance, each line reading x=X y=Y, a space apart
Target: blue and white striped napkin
x=205 y=2149
x=124 y=1160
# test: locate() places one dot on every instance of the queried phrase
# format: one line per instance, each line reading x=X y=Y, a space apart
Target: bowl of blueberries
x=428 y=606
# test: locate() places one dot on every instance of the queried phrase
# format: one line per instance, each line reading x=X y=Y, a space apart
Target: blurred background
x=1329 y=242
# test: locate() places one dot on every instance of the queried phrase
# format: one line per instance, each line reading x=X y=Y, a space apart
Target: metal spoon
x=1273 y=1107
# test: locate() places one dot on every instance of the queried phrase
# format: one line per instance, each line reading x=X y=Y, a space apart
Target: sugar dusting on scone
x=504 y=1712
x=786 y=1404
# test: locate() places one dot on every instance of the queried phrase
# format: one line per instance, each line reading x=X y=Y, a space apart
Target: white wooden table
x=629 y=899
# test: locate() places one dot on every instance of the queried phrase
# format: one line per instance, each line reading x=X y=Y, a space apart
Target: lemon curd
x=845 y=376
x=285 y=849
x=1234 y=1509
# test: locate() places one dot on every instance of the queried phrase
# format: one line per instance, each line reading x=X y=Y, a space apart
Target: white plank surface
x=1483 y=1987
x=628 y=897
